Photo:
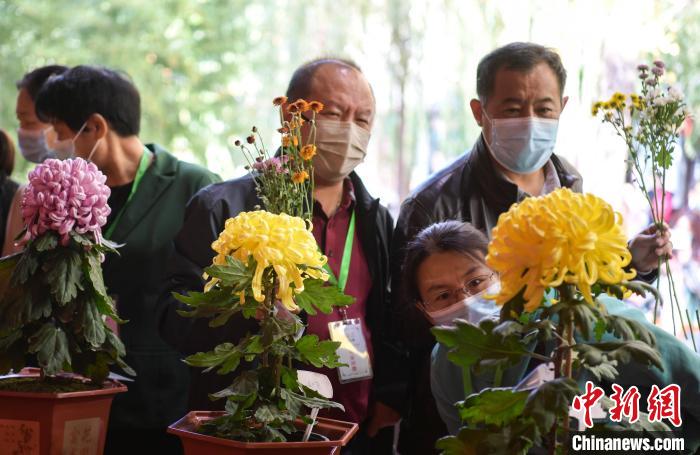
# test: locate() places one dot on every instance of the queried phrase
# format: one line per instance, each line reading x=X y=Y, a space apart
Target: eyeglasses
x=474 y=285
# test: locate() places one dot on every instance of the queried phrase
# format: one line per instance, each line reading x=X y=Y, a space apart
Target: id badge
x=352 y=351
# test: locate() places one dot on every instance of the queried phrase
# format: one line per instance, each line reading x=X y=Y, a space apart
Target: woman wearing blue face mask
x=8 y=187
x=37 y=140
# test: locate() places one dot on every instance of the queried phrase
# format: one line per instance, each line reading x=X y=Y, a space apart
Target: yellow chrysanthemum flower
x=619 y=97
x=596 y=107
x=282 y=242
x=563 y=237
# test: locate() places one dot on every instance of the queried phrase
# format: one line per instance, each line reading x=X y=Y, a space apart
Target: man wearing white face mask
x=97 y=111
x=350 y=227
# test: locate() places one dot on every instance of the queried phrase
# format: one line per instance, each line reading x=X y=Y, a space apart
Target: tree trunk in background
x=401 y=53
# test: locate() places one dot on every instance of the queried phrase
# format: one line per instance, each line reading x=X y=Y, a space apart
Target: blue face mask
x=522 y=145
x=34 y=146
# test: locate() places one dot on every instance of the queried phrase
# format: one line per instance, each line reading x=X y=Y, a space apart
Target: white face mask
x=473 y=309
x=341 y=147
x=522 y=145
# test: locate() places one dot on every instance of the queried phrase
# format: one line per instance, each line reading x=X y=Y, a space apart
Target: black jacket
x=204 y=220
x=470 y=189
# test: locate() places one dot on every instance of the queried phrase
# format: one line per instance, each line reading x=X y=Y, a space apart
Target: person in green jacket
x=447 y=278
x=98 y=110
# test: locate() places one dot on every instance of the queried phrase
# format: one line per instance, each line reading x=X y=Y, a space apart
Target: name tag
x=352 y=351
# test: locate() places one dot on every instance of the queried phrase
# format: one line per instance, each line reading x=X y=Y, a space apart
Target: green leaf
x=550 y=401
x=629 y=329
x=26 y=267
x=235 y=274
x=268 y=413
x=92 y=324
x=294 y=401
x=51 y=346
x=470 y=344
x=218 y=301
x=318 y=353
x=492 y=406
x=227 y=356
x=46 y=242
x=64 y=273
x=253 y=345
x=93 y=271
x=623 y=352
x=465 y=443
x=241 y=388
x=600 y=329
x=585 y=318
x=319 y=296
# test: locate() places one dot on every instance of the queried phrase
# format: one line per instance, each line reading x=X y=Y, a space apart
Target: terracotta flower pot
x=337 y=432
x=55 y=423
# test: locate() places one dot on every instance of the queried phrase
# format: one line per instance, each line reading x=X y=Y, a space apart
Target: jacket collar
x=159 y=176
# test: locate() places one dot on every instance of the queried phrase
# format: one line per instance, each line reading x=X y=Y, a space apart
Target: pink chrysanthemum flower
x=274 y=163
x=65 y=196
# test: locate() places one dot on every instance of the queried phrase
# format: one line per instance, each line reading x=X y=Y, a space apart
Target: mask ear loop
x=94 y=147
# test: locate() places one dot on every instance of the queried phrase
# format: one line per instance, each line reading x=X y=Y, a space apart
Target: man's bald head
x=301 y=82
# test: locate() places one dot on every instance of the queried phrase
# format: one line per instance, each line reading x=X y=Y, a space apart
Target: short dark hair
x=7 y=154
x=82 y=91
x=300 y=83
x=33 y=80
x=443 y=237
x=516 y=56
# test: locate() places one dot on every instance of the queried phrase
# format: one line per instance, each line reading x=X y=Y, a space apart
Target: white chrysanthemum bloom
x=675 y=93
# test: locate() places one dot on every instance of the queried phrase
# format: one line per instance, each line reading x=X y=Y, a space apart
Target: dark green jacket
x=150 y=221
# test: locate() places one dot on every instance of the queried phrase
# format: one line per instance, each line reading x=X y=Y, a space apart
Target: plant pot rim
x=109 y=387
x=187 y=425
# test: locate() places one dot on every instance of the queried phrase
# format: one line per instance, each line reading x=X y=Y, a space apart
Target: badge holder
x=353 y=350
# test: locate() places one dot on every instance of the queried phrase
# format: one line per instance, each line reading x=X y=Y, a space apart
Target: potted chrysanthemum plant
x=268 y=267
x=649 y=122
x=557 y=257
x=53 y=307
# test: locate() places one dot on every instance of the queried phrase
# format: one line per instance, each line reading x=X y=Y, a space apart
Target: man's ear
x=475 y=105
x=564 y=100
x=98 y=125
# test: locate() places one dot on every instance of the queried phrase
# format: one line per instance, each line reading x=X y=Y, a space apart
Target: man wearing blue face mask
x=520 y=89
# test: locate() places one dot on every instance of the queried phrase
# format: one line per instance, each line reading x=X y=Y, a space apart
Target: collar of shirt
x=551 y=181
x=347 y=200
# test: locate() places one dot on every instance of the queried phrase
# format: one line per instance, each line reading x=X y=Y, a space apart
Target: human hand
x=650 y=245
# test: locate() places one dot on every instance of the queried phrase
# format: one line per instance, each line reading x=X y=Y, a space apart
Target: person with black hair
x=99 y=111
x=342 y=135
x=37 y=140
x=8 y=187
x=520 y=88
